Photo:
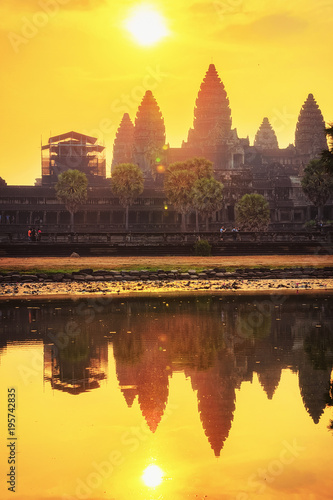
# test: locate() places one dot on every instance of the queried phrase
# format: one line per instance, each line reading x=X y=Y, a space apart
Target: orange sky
x=77 y=68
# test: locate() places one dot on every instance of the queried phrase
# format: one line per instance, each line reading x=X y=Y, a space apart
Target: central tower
x=212 y=115
x=149 y=135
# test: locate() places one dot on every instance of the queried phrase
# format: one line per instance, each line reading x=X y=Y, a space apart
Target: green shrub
x=310 y=224
x=202 y=248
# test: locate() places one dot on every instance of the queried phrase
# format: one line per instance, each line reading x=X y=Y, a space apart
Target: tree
x=200 y=166
x=327 y=155
x=207 y=196
x=317 y=184
x=178 y=187
x=252 y=213
x=179 y=181
x=71 y=189
x=127 y=184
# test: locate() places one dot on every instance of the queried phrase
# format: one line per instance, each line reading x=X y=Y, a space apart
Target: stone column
x=308 y=213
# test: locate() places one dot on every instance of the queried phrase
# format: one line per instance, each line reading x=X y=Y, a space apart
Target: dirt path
x=68 y=263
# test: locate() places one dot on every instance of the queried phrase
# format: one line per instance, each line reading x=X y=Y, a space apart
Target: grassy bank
x=50 y=265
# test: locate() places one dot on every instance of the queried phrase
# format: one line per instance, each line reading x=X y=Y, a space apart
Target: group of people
x=34 y=234
x=7 y=219
x=234 y=231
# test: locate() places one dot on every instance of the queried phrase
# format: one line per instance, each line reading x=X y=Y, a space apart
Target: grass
x=51 y=265
x=124 y=267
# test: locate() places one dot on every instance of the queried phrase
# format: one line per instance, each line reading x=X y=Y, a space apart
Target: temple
x=213 y=137
x=262 y=167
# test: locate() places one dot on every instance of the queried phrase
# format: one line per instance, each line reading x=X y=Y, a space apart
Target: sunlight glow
x=152 y=476
x=146 y=25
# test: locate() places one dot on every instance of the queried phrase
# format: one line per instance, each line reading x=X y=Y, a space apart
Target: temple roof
x=73 y=135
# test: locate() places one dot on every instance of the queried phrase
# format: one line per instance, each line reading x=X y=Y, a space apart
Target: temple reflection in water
x=217 y=342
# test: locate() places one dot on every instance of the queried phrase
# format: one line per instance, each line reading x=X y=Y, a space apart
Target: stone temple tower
x=124 y=141
x=265 y=138
x=212 y=115
x=149 y=135
x=310 y=137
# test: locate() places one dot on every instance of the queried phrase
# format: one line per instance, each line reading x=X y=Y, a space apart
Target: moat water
x=173 y=398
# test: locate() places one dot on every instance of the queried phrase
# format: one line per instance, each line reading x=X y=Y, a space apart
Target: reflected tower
x=314 y=385
x=78 y=366
x=143 y=370
x=216 y=400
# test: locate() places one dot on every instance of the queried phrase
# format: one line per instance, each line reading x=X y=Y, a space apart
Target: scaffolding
x=72 y=151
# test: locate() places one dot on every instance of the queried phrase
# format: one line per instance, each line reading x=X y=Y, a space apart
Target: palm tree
x=179 y=181
x=317 y=184
x=178 y=187
x=71 y=190
x=207 y=196
x=327 y=155
x=252 y=213
x=127 y=184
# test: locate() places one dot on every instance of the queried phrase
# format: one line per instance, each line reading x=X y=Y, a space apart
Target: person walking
x=222 y=230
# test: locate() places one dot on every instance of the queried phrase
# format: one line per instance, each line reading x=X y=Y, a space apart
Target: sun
x=152 y=476
x=146 y=25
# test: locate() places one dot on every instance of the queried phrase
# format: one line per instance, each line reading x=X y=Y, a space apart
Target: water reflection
x=219 y=343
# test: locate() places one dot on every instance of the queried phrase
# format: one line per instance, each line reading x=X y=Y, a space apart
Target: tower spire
x=149 y=134
x=310 y=137
x=265 y=137
x=123 y=143
x=212 y=115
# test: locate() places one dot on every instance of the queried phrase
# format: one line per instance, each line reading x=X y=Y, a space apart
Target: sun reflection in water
x=152 y=476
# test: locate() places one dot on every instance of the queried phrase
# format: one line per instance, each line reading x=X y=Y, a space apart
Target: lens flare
x=152 y=476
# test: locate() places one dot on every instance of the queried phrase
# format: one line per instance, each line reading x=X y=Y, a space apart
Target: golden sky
x=72 y=65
